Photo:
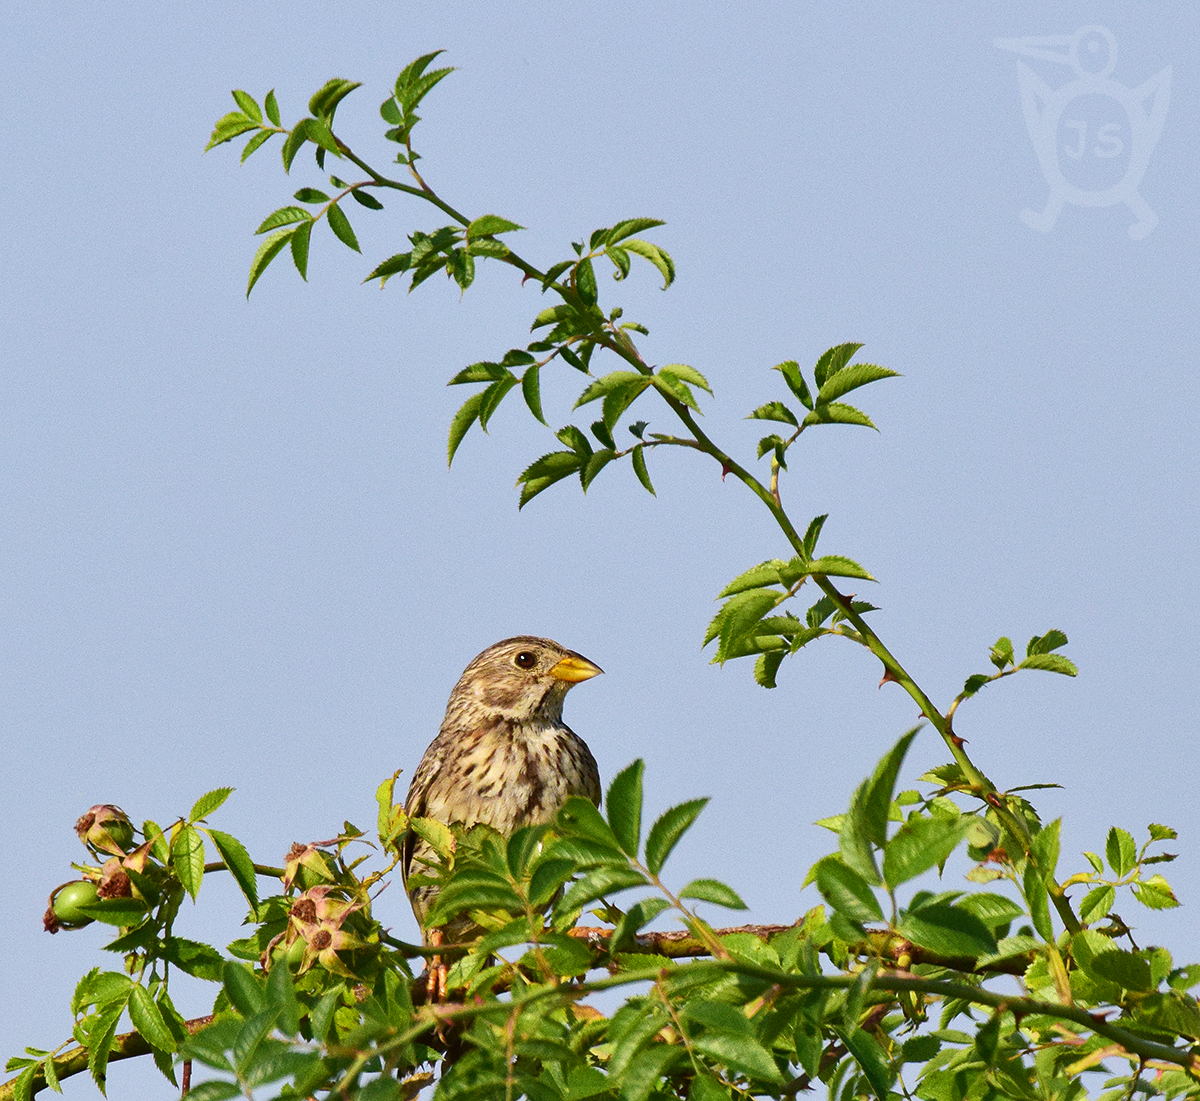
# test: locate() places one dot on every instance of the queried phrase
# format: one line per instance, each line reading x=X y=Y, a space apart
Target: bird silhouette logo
x=1093 y=137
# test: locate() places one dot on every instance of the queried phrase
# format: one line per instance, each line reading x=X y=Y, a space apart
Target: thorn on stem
x=888 y=678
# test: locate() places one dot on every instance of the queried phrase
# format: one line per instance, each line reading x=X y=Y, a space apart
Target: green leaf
x=739 y=618
x=832 y=361
x=187 y=858
x=578 y=817
x=238 y=861
x=1043 y=644
x=836 y=565
x=1121 y=851
x=206 y=804
x=838 y=413
x=1002 y=653
x=463 y=419
x=493 y=396
x=757 y=577
x=595 y=464
x=267 y=252
x=1051 y=663
x=229 y=127
x=271 y=106
x=639 y=468
x=921 y=844
x=624 y=806
x=795 y=381
x=870 y=1058
x=294 y=142
x=23 y=1083
x=261 y=138
x=740 y=1053
x=340 y=225
x=846 y=891
x=116 y=911
x=365 y=198
x=585 y=281
x=766 y=667
x=713 y=890
x=246 y=102
x=666 y=832
x=850 y=379
x=201 y=961
x=215 y=1089
x=629 y=227
x=489 y=225
x=544 y=472
x=1124 y=968
x=686 y=374
x=325 y=100
x=1155 y=893
x=1045 y=848
x=657 y=256
x=948 y=930
x=605 y=880
x=299 y=241
x=877 y=802
x=774 y=411
x=532 y=392
x=1038 y=900
x=1161 y=833
x=813 y=533
x=1097 y=903
x=148 y=1019
x=284 y=216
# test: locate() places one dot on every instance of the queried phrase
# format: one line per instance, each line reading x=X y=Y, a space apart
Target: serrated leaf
x=837 y=412
x=299 y=241
x=790 y=370
x=246 y=102
x=1155 y=893
x=774 y=411
x=1097 y=903
x=623 y=804
x=757 y=577
x=544 y=472
x=463 y=419
x=836 y=565
x=187 y=859
x=1051 y=663
x=948 y=930
x=479 y=372
x=851 y=378
x=596 y=463
x=629 y=227
x=766 y=667
x=259 y=139
x=116 y=911
x=1124 y=968
x=687 y=374
x=921 y=844
x=267 y=252
x=532 y=392
x=340 y=225
x=491 y=224
x=238 y=861
x=713 y=890
x=493 y=396
x=365 y=198
x=1045 y=848
x=740 y=1053
x=207 y=803
x=668 y=829
x=284 y=216
x=1121 y=851
x=740 y=617
x=585 y=281
x=639 y=468
x=657 y=256
x=229 y=127
x=846 y=891
x=148 y=1019
x=1043 y=644
x=832 y=361
x=271 y=106
x=869 y=1057
x=605 y=880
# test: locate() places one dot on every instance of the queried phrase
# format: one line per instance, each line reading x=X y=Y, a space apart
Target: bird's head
x=521 y=678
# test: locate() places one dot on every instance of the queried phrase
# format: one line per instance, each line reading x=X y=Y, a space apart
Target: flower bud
x=106 y=828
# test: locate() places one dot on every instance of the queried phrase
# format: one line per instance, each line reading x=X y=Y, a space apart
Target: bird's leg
x=435 y=975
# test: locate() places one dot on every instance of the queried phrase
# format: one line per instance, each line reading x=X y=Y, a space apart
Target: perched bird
x=504 y=756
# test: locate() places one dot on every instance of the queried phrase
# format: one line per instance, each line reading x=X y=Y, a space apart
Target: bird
x=503 y=756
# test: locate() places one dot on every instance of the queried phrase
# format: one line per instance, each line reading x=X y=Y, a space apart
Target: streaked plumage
x=503 y=756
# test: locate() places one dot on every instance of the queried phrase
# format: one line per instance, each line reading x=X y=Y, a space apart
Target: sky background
x=232 y=553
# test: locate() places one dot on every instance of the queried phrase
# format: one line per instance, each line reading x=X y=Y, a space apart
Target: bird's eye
x=525 y=660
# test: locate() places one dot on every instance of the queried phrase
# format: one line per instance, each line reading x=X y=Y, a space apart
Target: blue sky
x=232 y=551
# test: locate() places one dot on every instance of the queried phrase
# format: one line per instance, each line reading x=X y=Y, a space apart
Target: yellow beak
x=574 y=668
